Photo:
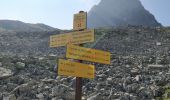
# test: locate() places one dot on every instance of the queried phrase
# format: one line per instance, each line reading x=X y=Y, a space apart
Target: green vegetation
x=166 y=95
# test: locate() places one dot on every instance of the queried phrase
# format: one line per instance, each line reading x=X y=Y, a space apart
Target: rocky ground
x=124 y=40
x=127 y=78
x=139 y=68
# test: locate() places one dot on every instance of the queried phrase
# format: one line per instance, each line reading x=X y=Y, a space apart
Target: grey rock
x=132 y=97
x=1 y=96
x=11 y=86
x=126 y=96
x=10 y=97
x=59 y=90
x=134 y=72
x=161 y=81
x=23 y=88
x=138 y=78
x=56 y=98
x=145 y=93
x=0 y=64
x=132 y=88
x=95 y=97
x=5 y=73
x=20 y=65
x=157 y=67
x=109 y=80
x=40 y=96
x=69 y=96
x=127 y=81
x=115 y=96
x=52 y=81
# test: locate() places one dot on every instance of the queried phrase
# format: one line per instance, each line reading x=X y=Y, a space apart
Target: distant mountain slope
x=21 y=26
x=124 y=40
x=110 y=13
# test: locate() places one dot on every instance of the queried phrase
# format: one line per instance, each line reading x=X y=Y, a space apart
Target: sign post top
x=80 y=21
x=81 y=11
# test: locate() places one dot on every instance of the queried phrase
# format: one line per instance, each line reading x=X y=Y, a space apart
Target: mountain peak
x=109 y=13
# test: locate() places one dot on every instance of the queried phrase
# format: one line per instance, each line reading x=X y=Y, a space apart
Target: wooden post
x=78 y=94
x=78 y=88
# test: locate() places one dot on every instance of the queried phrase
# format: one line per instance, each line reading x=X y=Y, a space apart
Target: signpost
x=80 y=24
x=69 y=68
x=81 y=53
x=80 y=21
x=77 y=37
x=80 y=36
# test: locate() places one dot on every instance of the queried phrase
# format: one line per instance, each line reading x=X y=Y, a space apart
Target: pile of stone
x=127 y=78
x=124 y=40
x=139 y=68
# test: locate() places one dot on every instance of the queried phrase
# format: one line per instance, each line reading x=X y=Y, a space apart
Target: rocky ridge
x=18 y=26
x=120 y=40
x=110 y=13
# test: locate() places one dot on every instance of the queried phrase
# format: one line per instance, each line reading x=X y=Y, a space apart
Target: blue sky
x=59 y=13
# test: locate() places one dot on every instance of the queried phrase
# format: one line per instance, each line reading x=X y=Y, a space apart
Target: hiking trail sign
x=87 y=54
x=80 y=21
x=78 y=37
x=70 y=68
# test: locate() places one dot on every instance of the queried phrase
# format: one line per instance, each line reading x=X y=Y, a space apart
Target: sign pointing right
x=81 y=53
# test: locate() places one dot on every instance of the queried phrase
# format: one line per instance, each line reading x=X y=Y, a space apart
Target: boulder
x=40 y=96
x=20 y=65
x=0 y=64
x=5 y=73
x=59 y=90
x=10 y=97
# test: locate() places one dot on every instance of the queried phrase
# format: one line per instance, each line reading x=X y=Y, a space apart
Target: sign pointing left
x=78 y=37
x=70 y=68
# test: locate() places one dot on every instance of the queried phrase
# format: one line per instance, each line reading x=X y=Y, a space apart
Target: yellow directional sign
x=80 y=21
x=81 y=53
x=69 y=68
x=78 y=37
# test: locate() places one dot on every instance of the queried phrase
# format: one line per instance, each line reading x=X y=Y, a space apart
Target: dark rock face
x=110 y=13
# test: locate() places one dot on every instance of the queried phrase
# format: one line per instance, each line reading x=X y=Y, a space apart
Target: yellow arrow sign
x=81 y=53
x=78 y=37
x=69 y=68
x=80 y=21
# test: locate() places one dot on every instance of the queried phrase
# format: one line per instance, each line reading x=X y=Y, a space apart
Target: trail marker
x=76 y=69
x=81 y=53
x=78 y=37
x=81 y=36
x=80 y=21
